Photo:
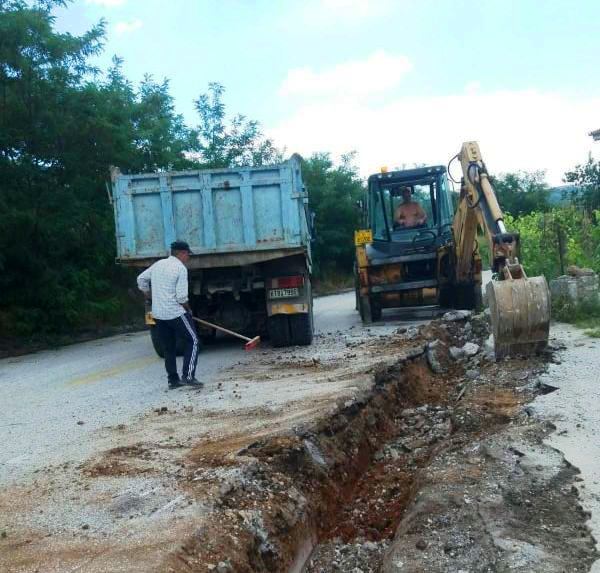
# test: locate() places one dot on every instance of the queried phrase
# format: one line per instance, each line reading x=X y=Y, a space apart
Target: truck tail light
x=287 y=282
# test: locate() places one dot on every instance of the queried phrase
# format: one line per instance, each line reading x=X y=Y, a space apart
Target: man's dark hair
x=179 y=247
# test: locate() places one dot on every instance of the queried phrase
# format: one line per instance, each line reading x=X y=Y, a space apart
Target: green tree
x=333 y=193
x=238 y=144
x=587 y=177
x=553 y=240
x=522 y=192
x=161 y=136
x=44 y=231
x=61 y=126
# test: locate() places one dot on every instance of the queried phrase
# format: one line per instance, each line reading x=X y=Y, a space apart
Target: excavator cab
x=409 y=207
x=409 y=216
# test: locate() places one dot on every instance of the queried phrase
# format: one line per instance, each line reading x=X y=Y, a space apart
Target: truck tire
x=301 y=329
x=445 y=297
x=158 y=347
x=364 y=308
x=279 y=330
x=210 y=337
x=356 y=290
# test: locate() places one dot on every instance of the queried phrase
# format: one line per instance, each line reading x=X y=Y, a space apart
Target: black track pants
x=169 y=331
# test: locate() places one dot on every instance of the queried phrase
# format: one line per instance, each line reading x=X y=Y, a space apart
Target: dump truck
x=415 y=251
x=249 y=229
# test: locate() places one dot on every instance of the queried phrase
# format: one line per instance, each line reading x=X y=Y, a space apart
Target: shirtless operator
x=409 y=213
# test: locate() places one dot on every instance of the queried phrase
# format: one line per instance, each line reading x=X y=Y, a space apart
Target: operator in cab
x=409 y=214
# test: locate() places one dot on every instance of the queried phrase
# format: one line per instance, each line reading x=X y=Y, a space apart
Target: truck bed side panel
x=215 y=211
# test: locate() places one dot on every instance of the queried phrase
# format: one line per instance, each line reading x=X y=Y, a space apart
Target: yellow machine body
x=438 y=263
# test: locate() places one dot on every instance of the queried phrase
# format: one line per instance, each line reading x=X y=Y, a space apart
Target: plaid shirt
x=168 y=279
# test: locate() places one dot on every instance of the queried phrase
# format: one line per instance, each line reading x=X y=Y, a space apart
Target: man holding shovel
x=166 y=282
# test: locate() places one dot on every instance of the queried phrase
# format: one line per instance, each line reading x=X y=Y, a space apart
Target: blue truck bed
x=217 y=211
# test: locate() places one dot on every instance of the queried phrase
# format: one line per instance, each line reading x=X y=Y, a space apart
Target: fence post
x=560 y=235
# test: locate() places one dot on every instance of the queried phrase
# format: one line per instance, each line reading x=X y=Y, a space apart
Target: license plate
x=283 y=292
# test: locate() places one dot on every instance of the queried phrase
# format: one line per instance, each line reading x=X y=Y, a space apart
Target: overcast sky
x=400 y=82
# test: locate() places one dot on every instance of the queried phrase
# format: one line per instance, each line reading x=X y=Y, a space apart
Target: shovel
x=250 y=342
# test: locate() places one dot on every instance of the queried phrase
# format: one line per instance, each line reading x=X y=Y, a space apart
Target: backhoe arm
x=478 y=207
x=519 y=306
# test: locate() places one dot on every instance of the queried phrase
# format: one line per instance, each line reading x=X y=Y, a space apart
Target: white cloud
x=375 y=74
x=106 y=3
x=473 y=87
x=127 y=27
x=525 y=129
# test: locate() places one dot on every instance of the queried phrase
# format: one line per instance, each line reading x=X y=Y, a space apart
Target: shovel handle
x=211 y=325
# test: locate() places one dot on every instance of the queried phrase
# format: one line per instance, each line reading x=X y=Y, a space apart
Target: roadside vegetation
x=63 y=122
x=556 y=237
x=585 y=315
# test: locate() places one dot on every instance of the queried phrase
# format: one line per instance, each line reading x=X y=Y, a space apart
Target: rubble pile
x=409 y=476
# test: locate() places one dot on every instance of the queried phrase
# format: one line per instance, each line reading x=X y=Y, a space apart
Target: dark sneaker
x=192 y=382
x=175 y=384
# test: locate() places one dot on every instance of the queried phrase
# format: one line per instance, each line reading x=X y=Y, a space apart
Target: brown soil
x=366 y=478
x=301 y=483
x=350 y=478
x=120 y=461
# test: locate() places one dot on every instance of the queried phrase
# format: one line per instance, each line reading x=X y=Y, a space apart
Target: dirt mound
x=341 y=489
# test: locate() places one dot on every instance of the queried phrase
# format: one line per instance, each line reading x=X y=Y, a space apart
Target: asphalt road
x=55 y=403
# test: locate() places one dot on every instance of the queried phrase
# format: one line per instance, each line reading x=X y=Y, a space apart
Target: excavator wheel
x=468 y=297
x=520 y=315
x=369 y=308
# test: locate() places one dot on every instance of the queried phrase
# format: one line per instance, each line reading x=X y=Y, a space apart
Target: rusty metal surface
x=520 y=315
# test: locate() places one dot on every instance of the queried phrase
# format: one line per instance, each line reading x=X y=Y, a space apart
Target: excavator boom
x=519 y=306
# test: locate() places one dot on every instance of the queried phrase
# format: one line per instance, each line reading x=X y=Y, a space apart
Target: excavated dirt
x=417 y=474
x=429 y=461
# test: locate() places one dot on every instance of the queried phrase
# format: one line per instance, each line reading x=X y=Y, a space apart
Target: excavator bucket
x=520 y=315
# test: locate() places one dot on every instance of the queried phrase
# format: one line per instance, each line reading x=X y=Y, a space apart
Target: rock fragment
x=433 y=354
x=457 y=315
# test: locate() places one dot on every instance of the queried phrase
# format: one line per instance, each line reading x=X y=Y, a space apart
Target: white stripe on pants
x=194 y=336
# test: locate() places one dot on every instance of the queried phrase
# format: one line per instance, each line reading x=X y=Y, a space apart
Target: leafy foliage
x=554 y=240
x=522 y=192
x=334 y=191
x=239 y=144
x=587 y=177
x=62 y=124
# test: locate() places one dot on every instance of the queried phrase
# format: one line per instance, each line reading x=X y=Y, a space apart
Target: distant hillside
x=561 y=195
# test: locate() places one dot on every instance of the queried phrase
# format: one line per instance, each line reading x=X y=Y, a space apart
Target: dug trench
x=440 y=466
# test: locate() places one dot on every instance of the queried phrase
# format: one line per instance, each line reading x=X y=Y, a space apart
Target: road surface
x=96 y=450
x=575 y=412
x=55 y=403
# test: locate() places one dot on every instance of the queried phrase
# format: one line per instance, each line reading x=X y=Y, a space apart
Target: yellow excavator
x=413 y=250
